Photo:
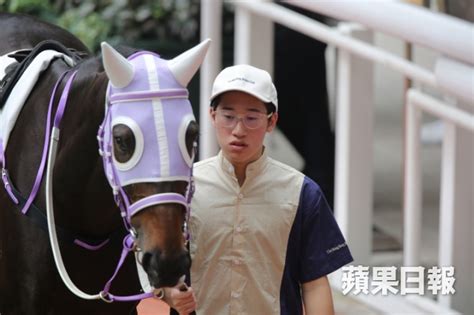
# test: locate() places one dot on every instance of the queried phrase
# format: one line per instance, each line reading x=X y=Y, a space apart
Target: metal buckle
x=136 y=248
x=4 y=82
x=5 y=177
x=133 y=233
x=159 y=293
x=128 y=242
x=105 y=296
x=183 y=287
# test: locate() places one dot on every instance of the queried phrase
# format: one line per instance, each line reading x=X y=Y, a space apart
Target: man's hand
x=184 y=302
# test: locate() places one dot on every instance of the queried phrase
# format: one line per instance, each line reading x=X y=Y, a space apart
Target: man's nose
x=239 y=128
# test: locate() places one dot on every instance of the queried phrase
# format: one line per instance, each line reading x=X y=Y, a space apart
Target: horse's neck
x=82 y=186
x=83 y=199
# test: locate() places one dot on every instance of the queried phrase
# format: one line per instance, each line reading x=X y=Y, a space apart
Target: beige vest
x=240 y=235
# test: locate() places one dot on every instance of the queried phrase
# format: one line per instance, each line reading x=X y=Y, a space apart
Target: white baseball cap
x=248 y=79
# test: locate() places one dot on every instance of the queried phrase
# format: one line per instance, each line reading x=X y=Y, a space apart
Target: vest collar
x=253 y=168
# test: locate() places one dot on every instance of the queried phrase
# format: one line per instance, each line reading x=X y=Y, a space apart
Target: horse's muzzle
x=165 y=270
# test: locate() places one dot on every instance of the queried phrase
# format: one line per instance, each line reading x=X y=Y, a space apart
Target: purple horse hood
x=158 y=123
x=151 y=99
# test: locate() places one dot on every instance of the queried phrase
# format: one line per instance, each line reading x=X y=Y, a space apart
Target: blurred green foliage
x=118 y=21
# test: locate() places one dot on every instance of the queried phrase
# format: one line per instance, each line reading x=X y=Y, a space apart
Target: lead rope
x=53 y=147
x=189 y=196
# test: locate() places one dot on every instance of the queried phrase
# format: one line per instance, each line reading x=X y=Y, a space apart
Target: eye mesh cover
x=139 y=142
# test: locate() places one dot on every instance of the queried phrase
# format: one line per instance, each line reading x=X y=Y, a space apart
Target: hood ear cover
x=121 y=72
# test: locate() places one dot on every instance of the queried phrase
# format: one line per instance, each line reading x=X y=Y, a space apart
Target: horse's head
x=148 y=141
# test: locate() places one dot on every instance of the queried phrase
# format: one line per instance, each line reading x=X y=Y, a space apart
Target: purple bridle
x=156 y=109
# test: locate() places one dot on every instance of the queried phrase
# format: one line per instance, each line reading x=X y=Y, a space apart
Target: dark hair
x=215 y=102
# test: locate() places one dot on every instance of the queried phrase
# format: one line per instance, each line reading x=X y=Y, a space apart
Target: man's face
x=240 y=144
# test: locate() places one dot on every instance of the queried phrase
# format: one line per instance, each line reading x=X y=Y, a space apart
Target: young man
x=263 y=235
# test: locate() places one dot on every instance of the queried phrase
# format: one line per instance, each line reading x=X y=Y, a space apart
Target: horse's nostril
x=183 y=263
x=146 y=260
x=165 y=270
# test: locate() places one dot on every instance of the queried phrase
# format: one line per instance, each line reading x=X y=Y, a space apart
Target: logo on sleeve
x=335 y=248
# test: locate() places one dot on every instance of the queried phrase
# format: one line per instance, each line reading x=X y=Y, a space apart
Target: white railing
x=453 y=76
x=455 y=180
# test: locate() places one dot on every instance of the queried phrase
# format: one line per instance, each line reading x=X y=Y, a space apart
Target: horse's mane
x=126 y=50
x=93 y=63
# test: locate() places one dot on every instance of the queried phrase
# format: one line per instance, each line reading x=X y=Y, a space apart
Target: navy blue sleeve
x=323 y=249
x=315 y=248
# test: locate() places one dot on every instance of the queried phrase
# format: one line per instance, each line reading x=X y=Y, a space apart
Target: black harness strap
x=24 y=59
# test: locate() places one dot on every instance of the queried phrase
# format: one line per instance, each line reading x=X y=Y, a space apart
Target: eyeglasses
x=228 y=119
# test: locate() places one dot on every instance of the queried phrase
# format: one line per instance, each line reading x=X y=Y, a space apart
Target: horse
x=111 y=177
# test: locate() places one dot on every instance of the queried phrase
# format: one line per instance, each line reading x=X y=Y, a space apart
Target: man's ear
x=212 y=115
x=272 y=122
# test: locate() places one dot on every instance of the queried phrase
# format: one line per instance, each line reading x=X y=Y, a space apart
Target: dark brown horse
x=82 y=197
